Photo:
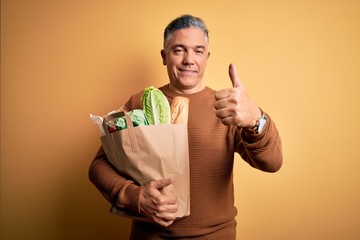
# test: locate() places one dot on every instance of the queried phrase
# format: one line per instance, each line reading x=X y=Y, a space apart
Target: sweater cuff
x=129 y=198
x=251 y=135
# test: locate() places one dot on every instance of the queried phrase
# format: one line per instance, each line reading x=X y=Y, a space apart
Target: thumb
x=234 y=76
x=159 y=184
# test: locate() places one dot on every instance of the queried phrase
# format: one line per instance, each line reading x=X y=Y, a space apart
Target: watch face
x=261 y=124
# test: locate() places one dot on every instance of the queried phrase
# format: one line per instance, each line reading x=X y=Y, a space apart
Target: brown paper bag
x=146 y=153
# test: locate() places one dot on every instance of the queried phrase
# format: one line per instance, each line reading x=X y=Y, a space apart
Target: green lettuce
x=138 y=118
x=156 y=106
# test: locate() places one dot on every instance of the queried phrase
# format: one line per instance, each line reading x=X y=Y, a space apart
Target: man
x=220 y=124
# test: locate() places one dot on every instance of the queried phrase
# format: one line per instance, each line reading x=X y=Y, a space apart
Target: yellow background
x=61 y=60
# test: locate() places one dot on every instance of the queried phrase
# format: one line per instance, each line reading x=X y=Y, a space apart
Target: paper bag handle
x=131 y=131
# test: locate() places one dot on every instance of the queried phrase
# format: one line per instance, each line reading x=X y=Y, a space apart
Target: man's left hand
x=233 y=105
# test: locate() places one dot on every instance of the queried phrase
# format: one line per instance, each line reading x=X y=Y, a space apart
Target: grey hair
x=185 y=21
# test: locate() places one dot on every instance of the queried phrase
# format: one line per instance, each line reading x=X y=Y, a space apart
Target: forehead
x=187 y=36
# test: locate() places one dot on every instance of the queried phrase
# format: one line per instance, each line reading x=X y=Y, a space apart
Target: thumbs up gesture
x=233 y=105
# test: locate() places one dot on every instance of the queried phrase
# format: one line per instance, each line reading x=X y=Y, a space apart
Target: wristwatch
x=260 y=124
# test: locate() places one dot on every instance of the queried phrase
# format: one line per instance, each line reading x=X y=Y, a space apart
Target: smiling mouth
x=188 y=71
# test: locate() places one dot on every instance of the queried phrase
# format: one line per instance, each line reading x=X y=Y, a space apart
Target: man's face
x=185 y=55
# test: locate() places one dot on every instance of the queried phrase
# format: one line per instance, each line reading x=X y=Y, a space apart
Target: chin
x=188 y=81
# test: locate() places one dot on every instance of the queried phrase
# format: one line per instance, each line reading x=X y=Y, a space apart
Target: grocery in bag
x=150 y=144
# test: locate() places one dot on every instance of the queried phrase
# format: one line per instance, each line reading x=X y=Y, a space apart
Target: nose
x=188 y=58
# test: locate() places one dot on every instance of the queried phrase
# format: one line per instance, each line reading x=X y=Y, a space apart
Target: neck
x=185 y=90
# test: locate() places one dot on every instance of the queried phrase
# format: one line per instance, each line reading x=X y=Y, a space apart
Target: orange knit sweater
x=211 y=151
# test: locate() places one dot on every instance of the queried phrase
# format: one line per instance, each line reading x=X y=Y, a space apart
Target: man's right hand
x=159 y=204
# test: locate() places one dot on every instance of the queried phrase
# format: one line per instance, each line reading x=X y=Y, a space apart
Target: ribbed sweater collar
x=171 y=93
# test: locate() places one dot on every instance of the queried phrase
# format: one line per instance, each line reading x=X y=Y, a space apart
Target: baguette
x=179 y=110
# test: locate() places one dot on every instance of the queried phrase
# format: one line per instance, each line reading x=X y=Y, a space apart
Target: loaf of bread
x=179 y=110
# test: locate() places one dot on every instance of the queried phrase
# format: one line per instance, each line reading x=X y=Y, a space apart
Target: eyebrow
x=185 y=47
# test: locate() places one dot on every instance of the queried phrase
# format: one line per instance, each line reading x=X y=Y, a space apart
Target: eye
x=199 y=51
x=178 y=50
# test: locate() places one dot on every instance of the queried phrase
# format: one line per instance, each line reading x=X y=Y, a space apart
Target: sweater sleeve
x=262 y=151
x=119 y=191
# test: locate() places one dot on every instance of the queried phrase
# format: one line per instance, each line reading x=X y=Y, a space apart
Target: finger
x=222 y=94
x=159 y=184
x=228 y=121
x=223 y=113
x=159 y=209
x=166 y=209
x=219 y=104
x=163 y=223
x=234 y=76
x=166 y=216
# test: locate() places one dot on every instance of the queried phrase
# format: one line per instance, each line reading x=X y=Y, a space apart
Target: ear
x=163 y=56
